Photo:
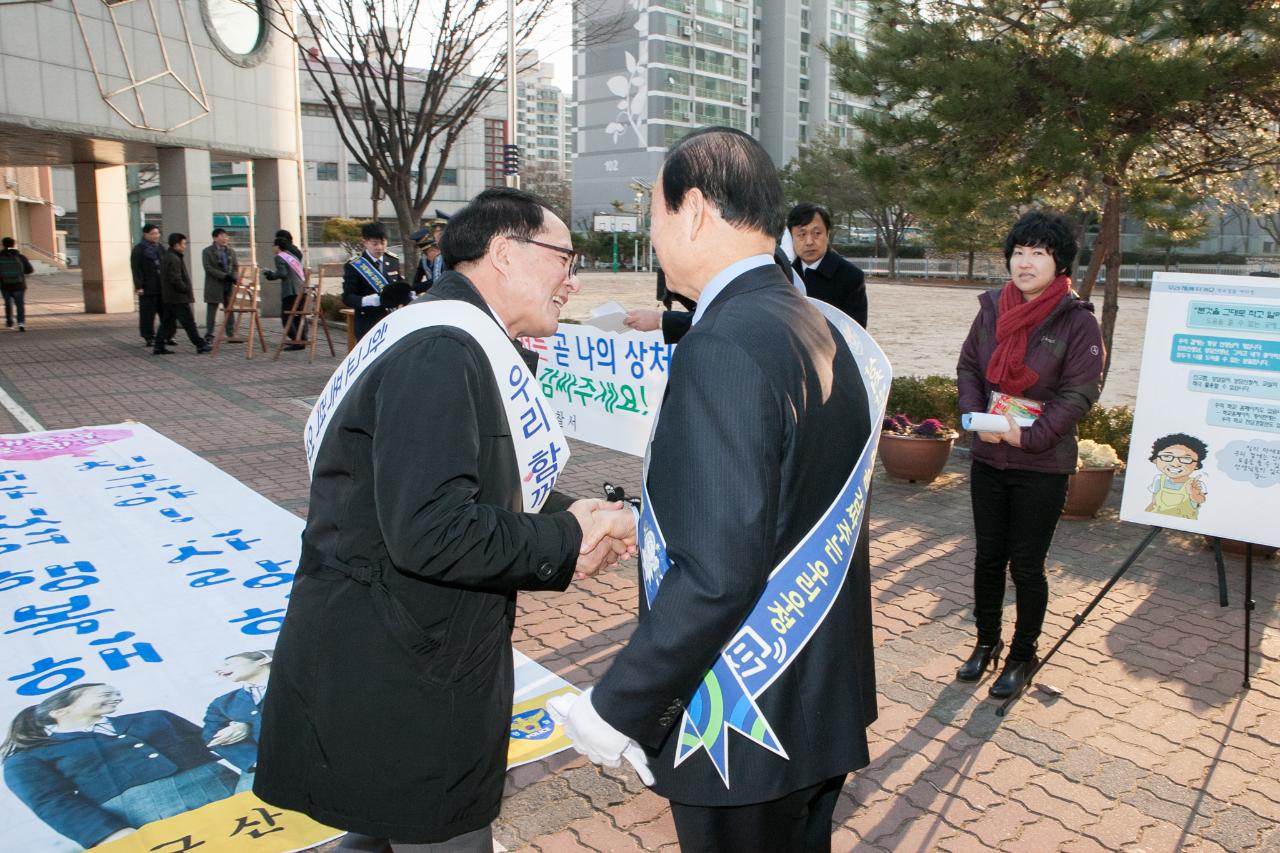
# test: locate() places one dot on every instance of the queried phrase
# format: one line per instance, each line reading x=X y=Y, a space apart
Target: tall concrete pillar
x=186 y=203
x=276 y=204
x=103 y=211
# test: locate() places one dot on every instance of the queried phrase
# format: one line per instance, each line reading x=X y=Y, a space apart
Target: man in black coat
x=371 y=282
x=743 y=463
x=827 y=276
x=144 y=263
x=389 y=711
x=177 y=296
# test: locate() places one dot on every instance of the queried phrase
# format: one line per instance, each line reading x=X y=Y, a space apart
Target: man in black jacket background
x=177 y=296
x=144 y=262
x=827 y=276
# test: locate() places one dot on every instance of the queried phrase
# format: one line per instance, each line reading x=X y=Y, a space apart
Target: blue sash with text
x=369 y=273
x=797 y=598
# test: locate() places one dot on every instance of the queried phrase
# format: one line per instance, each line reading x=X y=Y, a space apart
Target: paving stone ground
x=1151 y=746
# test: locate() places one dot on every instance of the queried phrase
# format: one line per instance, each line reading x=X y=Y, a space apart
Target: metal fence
x=986 y=269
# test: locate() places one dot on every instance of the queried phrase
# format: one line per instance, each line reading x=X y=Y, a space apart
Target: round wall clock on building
x=238 y=28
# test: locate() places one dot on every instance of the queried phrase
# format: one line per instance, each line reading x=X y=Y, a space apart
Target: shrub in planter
x=1088 y=487
x=924 y=397
x=916 y=452
x=1108 y=426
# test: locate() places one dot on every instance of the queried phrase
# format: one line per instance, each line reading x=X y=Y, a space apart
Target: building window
x=675 y=54
x=356 y=172
x=216 y=169
x=495 y=136
x=449 y=178
x=326 y=171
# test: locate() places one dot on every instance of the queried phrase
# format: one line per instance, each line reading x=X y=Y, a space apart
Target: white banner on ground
x=1205 y=449
x=142 y=591
x=604 y=388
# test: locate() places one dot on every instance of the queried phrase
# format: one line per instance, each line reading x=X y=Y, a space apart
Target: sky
x=552 y=42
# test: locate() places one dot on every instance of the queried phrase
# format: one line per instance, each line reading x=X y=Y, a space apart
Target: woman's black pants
x=1014 y=516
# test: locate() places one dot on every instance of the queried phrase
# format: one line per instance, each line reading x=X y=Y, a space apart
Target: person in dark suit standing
x=827 y=276
x=221 y=267
x=144 y=262
x=741 y=468
x=389 y=712
x=178 y=297
x=371 y=282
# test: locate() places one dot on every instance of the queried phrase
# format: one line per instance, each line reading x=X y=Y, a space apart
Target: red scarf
x=1016 y=320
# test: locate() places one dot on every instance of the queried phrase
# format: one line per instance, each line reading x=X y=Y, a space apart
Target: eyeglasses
x=574 y=262
x=1169 y=457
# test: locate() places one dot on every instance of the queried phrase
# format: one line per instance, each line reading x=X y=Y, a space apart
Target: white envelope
x=609 y=317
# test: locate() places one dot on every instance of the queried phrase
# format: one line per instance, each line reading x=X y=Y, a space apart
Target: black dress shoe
x=1013 y=678
x=972 y=669
x=162 y=352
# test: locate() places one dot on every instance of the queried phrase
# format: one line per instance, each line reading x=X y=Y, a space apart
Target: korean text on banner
x=143 y=590
x=604 y=388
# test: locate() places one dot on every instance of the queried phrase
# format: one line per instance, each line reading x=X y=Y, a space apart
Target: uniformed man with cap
x=371 y=282
x=430 y=262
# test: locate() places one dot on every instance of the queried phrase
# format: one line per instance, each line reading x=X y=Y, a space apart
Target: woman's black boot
x=972 y=669
x=1012 y=679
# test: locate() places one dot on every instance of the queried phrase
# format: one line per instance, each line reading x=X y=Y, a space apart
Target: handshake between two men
x=608 y=534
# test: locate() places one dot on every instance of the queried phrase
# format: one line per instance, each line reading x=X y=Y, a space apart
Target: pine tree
x=1065 y=102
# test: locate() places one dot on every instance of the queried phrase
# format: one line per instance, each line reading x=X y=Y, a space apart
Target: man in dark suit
x=178 y=297
x=389 y=711
x=371 y=282
x=221 y=267
x=742 y=466
x=827 y=276
x=144 y=262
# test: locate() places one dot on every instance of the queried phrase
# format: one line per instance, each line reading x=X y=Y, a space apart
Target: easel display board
x=1205 y=451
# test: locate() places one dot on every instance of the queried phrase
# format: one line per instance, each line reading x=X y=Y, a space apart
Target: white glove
x=600 y=742
x=373 y=300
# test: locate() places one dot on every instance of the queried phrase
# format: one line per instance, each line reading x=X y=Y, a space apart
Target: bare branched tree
x=548 y=181
x=403 y=79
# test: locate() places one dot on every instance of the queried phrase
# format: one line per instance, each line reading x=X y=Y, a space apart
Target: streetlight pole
x=513 y=180
x=642 y=189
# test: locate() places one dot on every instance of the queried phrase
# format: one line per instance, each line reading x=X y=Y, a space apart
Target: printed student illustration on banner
x=142 y=592
x=1205 y=451
x=604 y=388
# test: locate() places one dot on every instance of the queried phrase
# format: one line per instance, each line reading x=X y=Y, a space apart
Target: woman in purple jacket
x=1034 y=340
